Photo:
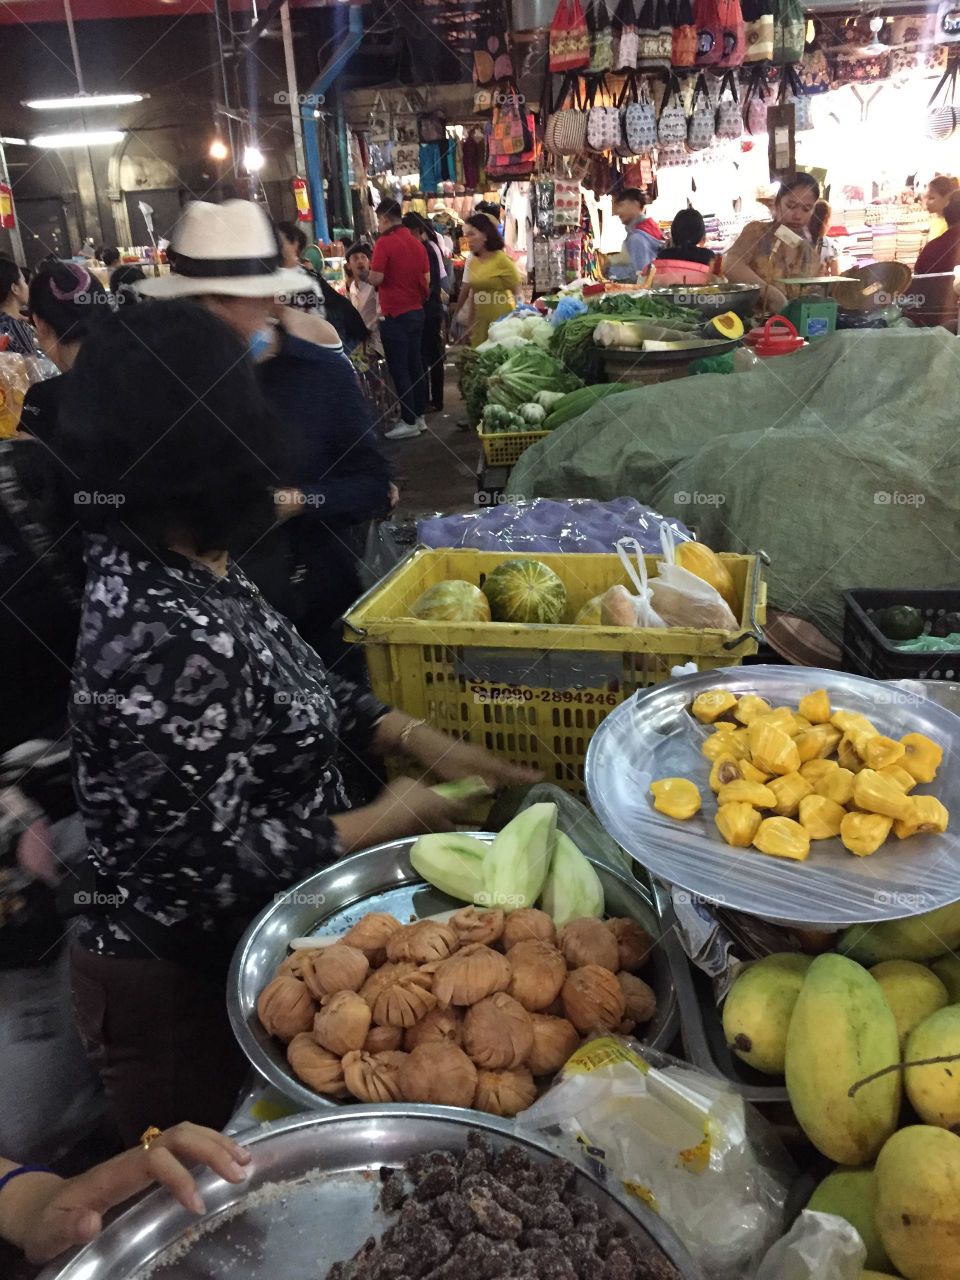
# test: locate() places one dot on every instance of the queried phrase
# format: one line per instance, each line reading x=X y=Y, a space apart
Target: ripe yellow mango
x=918 y=1202
x=934 y=1091
x=911 y=991
x=851 y=1194
x=758 y=1008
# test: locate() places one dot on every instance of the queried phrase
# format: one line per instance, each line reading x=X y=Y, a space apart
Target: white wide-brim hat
x=226 y=249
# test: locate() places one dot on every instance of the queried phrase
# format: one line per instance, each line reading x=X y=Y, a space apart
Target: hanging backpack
x=566 y=129
x=789 y=33
x=638 y=118
x=672 y=122
x=757 y=30
x=626 y=45
x=729 y=119
x=510 y=131
x=569 y=38
x=604 y=131
x=701 y=127
x=601 y=36
x=755 y=104
x=709 y=33
x=942 y=116
x=948 y=22
x=732 y=33
x=684 y=43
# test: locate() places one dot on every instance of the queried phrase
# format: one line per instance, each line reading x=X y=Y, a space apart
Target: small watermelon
x=453 y=601
x=525 y=591
x=589 y=615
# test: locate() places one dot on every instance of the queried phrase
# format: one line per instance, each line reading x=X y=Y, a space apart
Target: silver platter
x=310 y=1200
x=382 y=879
x=652 y=735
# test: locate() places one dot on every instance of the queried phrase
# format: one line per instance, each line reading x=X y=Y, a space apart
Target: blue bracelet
x=23 y=1168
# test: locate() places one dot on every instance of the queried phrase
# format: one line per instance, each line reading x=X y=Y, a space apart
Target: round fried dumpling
x=527 y=923
x=292 y=966
x=439 y=1073
x=538 y=972
x=474 y=972
x=641 y=1002
x=333 y=969
x=633 y=942
x=504 y=1093
x=342 y=1023
x=497 y=1033
x=286 y=1008
x=404 y=1002
x=587 y=941
x=593 y=999
x=373 y=1077
x=473 y=924
x=554 y=1040
x=422 y=942
x=384 y=977
x=383 y=1039
x=370 y=935
x=439 y=1025
x=316 y=1067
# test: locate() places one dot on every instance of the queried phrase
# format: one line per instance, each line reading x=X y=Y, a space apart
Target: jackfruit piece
x=751 y=773
x=864 y=833
x=749 y=707
x=772 y=750
x=926 y=813
x=736 y=744
x=820 y=817
x=738 y=823
x=817 y=743
x=676 y=797
x=816 y=706
x=814 y=770
x=880 y=752
x=709 y=706
x=742 y=792
x=876 y=794
x=846 y=720
x=898 y=776
x=922 y=756
x=837 y=785
x=725 y=769
x=782 y=838
x=801 y=722
x=778 y=718
x=725 y=726
x=848 y=755
x=789 y=790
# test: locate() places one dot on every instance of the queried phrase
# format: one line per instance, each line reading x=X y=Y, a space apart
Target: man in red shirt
x=400 y=269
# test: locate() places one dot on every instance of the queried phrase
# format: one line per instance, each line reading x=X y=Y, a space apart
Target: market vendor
x=644 y=238
x=782 y=249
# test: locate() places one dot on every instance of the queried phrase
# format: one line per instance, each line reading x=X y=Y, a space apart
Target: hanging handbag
x=942 y=116
x=566 y=202
x=566 y=129
x=684 y=43
x=791 y=90
x=510 y=131
x=672 y=122
x=569 y=38
x=627 y=41
x=491 y=52
x=701 y=127
x=757 y=30
x=732 y=33
x=948 y=22
x=729 y=119
x=642 y=174
x=789 y=33
x=604 y=130
x=638 y=119
x=655 y=35
x=755 y=104
x=815 y=72
x=709 y=33
x=601 y=36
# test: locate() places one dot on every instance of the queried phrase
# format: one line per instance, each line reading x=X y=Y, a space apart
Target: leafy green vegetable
x=577 y=402
x=475 y=370
x=518 y=380
x=573 y=343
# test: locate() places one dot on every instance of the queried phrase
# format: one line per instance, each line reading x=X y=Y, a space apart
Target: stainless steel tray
x=310 y=1200
x=652 y=735
x=382 y=879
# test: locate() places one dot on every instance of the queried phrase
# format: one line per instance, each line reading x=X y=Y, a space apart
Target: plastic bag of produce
x=683 y=599
x=618 y=608
x=680 y=1140
x=817 y=1245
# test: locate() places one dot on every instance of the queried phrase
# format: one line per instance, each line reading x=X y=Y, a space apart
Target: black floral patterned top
x=206 y=736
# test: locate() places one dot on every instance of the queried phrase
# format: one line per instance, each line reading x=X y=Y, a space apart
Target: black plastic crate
x=866 y=649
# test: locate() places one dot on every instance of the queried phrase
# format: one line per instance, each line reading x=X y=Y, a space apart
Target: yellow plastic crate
x=532 y=693
x=503 y=448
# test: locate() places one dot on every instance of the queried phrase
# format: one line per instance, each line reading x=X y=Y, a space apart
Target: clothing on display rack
x=473 y=153
x=518 y=223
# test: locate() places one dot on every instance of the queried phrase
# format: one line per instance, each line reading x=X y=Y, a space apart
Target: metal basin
x=713 y=299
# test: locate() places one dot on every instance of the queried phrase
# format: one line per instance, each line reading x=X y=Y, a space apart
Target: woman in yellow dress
x=491 y=278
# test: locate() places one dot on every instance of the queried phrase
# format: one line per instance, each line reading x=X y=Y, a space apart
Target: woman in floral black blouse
x=207 y=735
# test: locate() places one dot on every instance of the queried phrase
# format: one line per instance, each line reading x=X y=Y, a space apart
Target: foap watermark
x=894 y=498
x=502 y=99
x=94 y=698
x=684 y=898
x=297 y=498
x=906 y=901
x=493 y=498
x=502 y=697
x=508 y=901
x=86 y=898
x=297 y=698
x=97 y=498
x=300 y=898
x=284 y=99
x=684 y=498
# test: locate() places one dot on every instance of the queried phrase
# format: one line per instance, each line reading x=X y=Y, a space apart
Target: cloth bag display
x=601 y=36
x=709 y=33
x=755 y=104
x=701 y=127
x=684 y=40
x=729 y=119
x=948 y=22
x=789 y=33
x=626 y=40
x=642 y=174
x=942 y=116
x=791 y=91
x=604 y=130
x=814 y=72
x=655 y=35
x=757 y=30
x=638 y=118
x=569 y=38
x=672 y=122
x=566 y=130
x=732 y=33
x=510 y=130
x=566 y=202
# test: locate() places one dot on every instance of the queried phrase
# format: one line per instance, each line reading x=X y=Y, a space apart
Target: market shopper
x=762 y=255
x=943 y=253
x=644 y=238
x=20 y=334
x=685 y=260
x=400 y=271
x=491 y=279
x=433 y=346
x=208 y=737
x=43 y=1214
x=362 y=295
x=939 y=191
x=316 y=294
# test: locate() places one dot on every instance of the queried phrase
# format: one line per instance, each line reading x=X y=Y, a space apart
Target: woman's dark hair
x=198 y=458
x=943 y=185
x=110 y=257
x=951 y=210
x=487 y=206
x=687 y=229
x=361 y=246
x=820 y=222
x=127 y=275
x=67 y=298
x=484 y=223
x=342 y=314
x=420 y=226
x=296 y=235
x=799 y=182
x=9 y=275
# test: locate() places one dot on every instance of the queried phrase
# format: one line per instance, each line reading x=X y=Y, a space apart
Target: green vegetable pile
x=517 y=381
x=573 y=344
x=579 y=401
x=475 y=370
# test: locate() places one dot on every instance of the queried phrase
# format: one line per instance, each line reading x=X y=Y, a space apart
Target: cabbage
x=534 y=414
x=526 y=372
x=548 y=398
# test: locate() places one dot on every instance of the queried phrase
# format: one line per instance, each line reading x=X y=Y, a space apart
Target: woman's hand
x=50 y=1214
x=405 y=807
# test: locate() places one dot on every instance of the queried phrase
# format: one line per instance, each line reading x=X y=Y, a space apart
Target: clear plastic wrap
x=683 y=599
x=618 y=608
x=678 y=1139
x=543 y=525
x=817 y=1246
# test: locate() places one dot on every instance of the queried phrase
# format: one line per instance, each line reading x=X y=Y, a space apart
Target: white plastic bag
x=684 y=600
x=618 y=608
x=816 y=1246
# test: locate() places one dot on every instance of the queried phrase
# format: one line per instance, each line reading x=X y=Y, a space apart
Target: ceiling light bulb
x=85 y=101
x=252 y=159
x=79 y=138
x=218 y=149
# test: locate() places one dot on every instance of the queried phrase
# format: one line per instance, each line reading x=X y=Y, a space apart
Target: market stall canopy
x=16 y=12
